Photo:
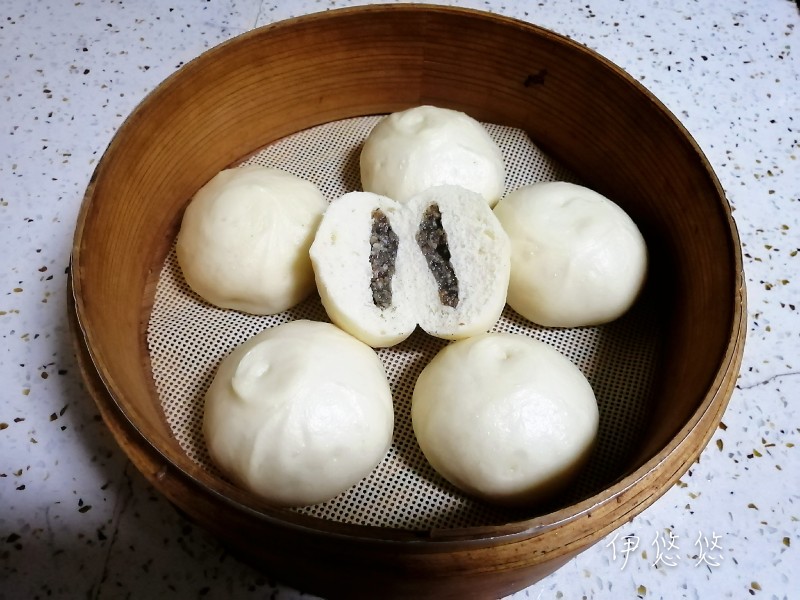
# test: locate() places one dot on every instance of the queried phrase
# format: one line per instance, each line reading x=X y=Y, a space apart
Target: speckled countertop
x=77 y=520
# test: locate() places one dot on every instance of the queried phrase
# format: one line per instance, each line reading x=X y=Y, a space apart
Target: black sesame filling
x=432 y=241
x=382 y=256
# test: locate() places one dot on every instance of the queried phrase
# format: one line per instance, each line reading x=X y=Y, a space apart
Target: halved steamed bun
x=410 y=151
x=441 y=260
x=244 y=239
x=504 y=417
x=577 y=258
x=299 y=413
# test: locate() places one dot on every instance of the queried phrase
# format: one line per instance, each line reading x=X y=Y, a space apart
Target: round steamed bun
x=410 y=151
x=244 y=239
x=504 y=417
x=577 y=258
x=299 y=413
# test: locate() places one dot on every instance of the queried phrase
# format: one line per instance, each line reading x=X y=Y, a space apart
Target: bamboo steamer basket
x=301 y=73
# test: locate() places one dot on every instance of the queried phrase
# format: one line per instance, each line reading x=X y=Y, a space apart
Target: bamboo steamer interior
x=291 y=76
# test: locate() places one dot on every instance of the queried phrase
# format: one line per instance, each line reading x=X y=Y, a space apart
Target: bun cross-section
x=441 y=260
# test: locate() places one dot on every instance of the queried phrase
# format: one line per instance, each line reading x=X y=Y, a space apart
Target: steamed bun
x=299 y=413
x=577 y=258
x=244 y=239
x=421 y=147
x=504 y=417
x=441 y=260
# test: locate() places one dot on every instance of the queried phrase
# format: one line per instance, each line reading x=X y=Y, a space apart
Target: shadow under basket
x=301 y=95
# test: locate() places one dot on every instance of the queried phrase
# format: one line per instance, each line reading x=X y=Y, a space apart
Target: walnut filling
x=432 y=241
x=382 y=257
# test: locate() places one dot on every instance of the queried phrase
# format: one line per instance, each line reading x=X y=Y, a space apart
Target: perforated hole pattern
x=188 y=337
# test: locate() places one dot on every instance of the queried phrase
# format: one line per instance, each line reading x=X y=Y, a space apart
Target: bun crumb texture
x=440 y=261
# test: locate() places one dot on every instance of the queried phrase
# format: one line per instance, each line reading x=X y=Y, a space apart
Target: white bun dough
x=577 y=259
x=244 y=239
x=479 y=255
x=504 y=417
x=409 y=151
x=299 y=413
x=340 y=255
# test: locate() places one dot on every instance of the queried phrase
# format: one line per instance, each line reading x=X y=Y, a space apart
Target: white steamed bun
x=410 y=151
x=577 y=258
x=504 y=417
x=244 y=239
x=299 y=413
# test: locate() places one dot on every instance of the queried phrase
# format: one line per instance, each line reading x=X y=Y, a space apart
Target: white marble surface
x=76 y=520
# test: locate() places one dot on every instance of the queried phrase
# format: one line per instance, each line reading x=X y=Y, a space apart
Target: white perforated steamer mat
x=188 y=338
